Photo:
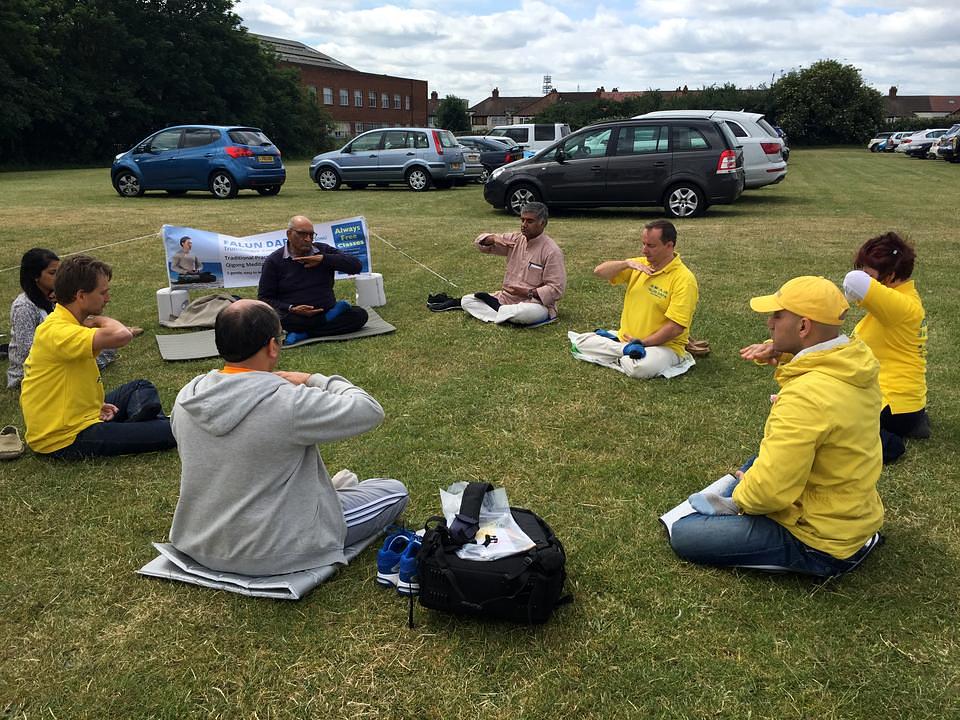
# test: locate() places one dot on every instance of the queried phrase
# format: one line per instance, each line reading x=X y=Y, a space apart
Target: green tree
x=89 y=78
x=827 y=103
x=452 y=114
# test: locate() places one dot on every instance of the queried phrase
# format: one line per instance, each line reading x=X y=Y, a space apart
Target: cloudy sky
x=467 y=48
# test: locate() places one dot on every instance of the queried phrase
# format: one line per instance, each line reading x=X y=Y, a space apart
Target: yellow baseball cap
x=811 y=297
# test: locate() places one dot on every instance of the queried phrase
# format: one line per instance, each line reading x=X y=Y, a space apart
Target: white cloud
x=468 y=48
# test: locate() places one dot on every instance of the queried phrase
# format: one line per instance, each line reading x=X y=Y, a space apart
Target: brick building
x=357 y=101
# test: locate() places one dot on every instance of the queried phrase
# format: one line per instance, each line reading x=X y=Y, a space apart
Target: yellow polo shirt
x=671 y=293
x=895 y=329
x=62 y=392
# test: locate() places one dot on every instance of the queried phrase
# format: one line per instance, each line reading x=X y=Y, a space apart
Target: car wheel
x=519 y=196
x=874 y=148
x=269 y=190
x=222 y=185
x=684 y=200
x=418 y=180
x=356 y=186
x=328 y=179
x=484 y=175
x=128 y=185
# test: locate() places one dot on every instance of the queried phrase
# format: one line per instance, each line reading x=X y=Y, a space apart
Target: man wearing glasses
x=261 y=502
x=297 y=282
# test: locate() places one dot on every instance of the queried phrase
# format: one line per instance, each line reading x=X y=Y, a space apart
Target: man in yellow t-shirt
x=62 y=398
x=657 y=311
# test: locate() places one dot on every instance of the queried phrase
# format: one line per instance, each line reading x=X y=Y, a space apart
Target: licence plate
x=265 y=158
x=455 y=166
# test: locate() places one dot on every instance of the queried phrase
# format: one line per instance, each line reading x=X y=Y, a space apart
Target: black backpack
x=524 y=587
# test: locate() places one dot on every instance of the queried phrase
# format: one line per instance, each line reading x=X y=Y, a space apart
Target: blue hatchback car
x=219 y=158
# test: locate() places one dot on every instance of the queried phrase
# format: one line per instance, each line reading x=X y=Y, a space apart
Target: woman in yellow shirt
x=895 y=329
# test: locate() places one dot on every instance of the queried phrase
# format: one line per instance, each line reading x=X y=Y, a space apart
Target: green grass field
x=598 y=455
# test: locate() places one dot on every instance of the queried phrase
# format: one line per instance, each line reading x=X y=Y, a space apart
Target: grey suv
x=419 y=157
x=683 y=164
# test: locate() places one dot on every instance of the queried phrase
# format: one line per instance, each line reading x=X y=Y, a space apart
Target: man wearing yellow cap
x=809 y=501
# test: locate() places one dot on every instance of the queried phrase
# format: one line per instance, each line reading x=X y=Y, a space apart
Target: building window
x=342 y=130
x=328 y=96
x=358 y=98
x=406 y=102
x=344 y=97
x=372 y=98
x=385 y=101
x=312 y=89
x=396 y=102
x=358 y=127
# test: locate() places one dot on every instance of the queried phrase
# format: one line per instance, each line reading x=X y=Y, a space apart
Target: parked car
x=763 y=159
x=877 y=140
x=532 y=136
x=949 y=147
x=890 y=145
x=494 y=151
x=473 y=169
x=419 y=157
x=918 y=144
x=221 y=159
x=683 y=164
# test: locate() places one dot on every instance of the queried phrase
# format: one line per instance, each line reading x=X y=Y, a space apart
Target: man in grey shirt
x=255 y=497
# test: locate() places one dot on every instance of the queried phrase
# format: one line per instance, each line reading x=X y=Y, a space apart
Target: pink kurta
x=535 y=264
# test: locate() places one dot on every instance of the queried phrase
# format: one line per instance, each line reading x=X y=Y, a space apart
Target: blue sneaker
x=337 y=310
x=388 y=558
x=635 y=350
x=607 y=334
x=408 y=582
x=295 y=337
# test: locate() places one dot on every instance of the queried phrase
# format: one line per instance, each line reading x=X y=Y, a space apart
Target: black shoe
x=488 y=299
x=921 y=430
x=438 y=298
x=450 y=304
x=147 y=412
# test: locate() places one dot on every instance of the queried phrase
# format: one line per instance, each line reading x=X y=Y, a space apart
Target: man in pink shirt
x=534 y=280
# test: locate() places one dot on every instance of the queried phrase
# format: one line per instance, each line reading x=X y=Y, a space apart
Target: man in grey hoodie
x=255 y=497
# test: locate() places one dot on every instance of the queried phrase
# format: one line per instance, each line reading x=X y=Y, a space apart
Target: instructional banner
x=202 y=259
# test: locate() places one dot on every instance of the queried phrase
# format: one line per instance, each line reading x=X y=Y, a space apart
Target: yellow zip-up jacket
x=817 y=470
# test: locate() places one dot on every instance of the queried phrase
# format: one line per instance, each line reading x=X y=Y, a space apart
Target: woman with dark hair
x=895 y=329
x=38 y=267
x=37 y=270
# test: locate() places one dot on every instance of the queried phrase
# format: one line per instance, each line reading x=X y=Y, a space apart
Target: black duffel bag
x=524 y=587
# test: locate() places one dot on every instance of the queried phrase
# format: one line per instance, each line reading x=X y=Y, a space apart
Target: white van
x=532 y=137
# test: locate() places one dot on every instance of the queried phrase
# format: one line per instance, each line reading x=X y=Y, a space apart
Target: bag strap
x=467 y=521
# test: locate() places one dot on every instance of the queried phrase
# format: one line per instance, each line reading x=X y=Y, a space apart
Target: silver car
x=419 y=157
x=763 y=149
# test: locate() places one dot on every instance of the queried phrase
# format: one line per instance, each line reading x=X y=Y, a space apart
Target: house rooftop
x=292 y=51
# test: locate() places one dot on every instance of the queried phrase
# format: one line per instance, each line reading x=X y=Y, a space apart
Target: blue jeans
x=754 y=541
x=138 y=427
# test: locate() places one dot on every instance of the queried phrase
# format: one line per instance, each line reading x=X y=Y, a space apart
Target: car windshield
x=447 y=139
x=249 y=136
x=767 y=127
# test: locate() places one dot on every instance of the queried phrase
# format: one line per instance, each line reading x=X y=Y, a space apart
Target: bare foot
x=137 y=331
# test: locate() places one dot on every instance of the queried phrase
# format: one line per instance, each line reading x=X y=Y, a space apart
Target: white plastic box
x=171 y=302
x=370 y=291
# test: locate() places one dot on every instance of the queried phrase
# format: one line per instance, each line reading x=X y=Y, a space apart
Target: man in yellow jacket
x=809 y=502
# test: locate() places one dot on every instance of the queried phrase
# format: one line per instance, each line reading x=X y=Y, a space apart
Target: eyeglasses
x=305 y=233
x=279 y=338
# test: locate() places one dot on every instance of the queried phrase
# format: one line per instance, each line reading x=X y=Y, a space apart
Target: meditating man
x=297 y=282
x=809 y=501
x=534 y=281
x=657 y=311
x=64 y=407
x=188 y=267
x=255 y=496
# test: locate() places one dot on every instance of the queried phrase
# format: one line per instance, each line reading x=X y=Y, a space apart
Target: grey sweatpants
x=371 y=506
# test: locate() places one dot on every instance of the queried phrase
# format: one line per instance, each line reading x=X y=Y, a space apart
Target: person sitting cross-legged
x=64 y=406
x=657 y=311
x=255 y=496
x=297 y=282
x=809 y=501
x=535 y=278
